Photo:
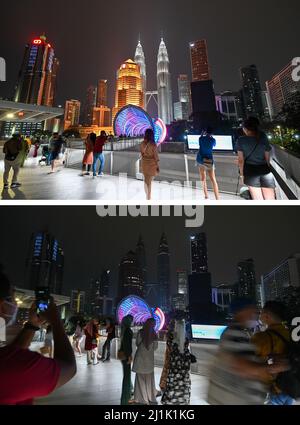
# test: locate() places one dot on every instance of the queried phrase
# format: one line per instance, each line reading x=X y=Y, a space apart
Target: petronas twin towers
x=164 y=87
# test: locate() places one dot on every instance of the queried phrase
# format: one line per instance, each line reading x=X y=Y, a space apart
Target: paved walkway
x=66 y=184
x=101 y=385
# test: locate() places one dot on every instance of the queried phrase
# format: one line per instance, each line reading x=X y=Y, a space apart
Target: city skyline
x=236 y=48
x=105 y=250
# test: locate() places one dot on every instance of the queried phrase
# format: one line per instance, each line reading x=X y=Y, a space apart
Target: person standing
x=111 y=334
x=49 y=345
x=206 y=163
x=91 y=341
x=25 y=148
x=125 y=355
x=12 y=160
x=55 y=150
x=254 y=161
x=178 y=381
x=88 y=158
x=150 y=161
x=78 y=338
x=99 y=155
x=147 y=343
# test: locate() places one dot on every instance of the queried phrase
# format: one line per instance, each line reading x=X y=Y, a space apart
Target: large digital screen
x=224 y=143
x=213 y=332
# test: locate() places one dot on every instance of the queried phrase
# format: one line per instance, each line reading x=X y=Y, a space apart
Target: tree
x=290 y=114
x=292 y=302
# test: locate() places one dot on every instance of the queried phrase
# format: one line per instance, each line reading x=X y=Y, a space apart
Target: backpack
x=289 y=382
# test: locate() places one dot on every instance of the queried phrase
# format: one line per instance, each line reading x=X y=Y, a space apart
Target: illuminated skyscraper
x=163 y=272
x=130 y=277
x=129 y=90
x=72 y=114
x=246 y=278
x=199 y=61
x=183 y=108
x=139 y=58
x=164 y=86
x=101 y=93
x=37 y=77
x=251 y=91
x=89 y=105
x=141 y=257
x=199 y=260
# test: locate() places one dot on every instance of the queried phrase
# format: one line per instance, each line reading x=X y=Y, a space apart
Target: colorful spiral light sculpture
x=133 y=121
x=141 y=312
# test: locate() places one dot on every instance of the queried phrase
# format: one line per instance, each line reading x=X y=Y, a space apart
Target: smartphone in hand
x=42 y=296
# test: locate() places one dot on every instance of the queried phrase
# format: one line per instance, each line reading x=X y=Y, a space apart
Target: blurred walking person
x=88 y=158
x=206 y=162
x=111 y=334
x=91 y=341
x=147 y=343
x=56 y=146
x=25 y=148
x=12 y=160
x=125 y=355
x=99 y=155
x=150 y=161
x=78 y=338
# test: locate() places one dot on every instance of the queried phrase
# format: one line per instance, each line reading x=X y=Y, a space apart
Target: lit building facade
x=77 y=303
x=130 y=277
x=72 y=113
x=139 y=58
x=129 y=90
x=199 y=257
x=89 y=105
x=101 y=93
x=246 y=283
x=199 y=61
x=282 y=89
x=252 y=91
x=101 y=116
x=38 y=74
x=163 y=272
x=178 y=302
x=164 y=86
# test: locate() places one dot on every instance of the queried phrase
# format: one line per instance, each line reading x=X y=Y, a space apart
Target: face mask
x=11 y=318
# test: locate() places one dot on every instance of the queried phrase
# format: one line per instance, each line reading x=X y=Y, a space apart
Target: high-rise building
x=282 y=89
x=98 y=294
x=37 y=77
x=181 y=111
x=102 y=116
x=101 y=93
x=152 y=294
x=246 y=283
x=199 y=257
x=139 y=58
x=199 y=61
x=141 y=257
x=252 y=91
x=72 y=113
x=45 y=263
x=164 y=86
x=200 y=296
x=77 y=304
x=89 y=105
x=163 y=272
x=276 y=283
x=183 y=108
x=130 y=276
x=105 y=283
x=129 y=90
x=178 y=302
x=230 y=105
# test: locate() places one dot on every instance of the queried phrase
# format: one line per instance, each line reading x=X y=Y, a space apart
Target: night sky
x=268 y=234
x=93 y=37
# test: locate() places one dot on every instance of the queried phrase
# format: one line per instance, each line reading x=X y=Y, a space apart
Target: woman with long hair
x=78 y=338
x=177 y=388
x=88 y=158
x=150 y=161
x=254 y=161
x=91 y=341
x=144 y=390
x=125 y=355
x=206 y=163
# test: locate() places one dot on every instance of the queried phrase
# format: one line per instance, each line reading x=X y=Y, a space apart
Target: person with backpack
x=12 y=160
x=206 y=163
x=254 y=161
x=272 y=345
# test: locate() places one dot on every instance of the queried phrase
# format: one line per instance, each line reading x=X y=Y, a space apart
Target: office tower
x=203 y=97
x=163 y=272
x=139 y=58
x=282 y=89
x=246 y=279
x=200 y=296
x=251 y=91
x=199 y=61
x=77 y=304
x=141 y=257
x=130 y=276
x=277 y=283
x=93 y=296
x=88 y=106
x=129 y=89
x=164 y=86
x=183 y=108
x=199 y=258
x=101 y=93
x=72 y=113
x=230 y=105
x=97 y=300
x=178 y=302
x=37 y=77
x=152 y=294
x=105 y=283
x=102 y=116
x=45 y=263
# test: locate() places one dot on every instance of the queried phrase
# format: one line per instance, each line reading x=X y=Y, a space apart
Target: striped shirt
x=226 y=387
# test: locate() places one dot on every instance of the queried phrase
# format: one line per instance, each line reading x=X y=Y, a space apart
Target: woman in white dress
x=145 y=390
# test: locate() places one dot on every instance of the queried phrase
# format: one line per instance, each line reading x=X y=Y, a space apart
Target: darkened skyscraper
x=130 y=276
x=141 y=257
x=163 y=272
x=199 y=258
x=246 y=279
x=89 y=105
x=101 y=93
x=37 y=77
x=45 y=263
x=199 y=61
x=251 y=91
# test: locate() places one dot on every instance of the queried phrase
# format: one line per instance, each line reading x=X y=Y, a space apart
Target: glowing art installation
x=141 y=312
x=133 y=121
